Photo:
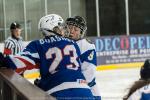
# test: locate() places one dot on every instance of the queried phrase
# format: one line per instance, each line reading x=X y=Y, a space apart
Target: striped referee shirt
x=13 y=46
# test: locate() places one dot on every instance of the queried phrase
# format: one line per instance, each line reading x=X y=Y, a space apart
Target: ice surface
x=114 y=84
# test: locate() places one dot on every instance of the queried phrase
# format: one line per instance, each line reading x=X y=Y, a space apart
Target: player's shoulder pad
x=84 y=45
x=88 y=40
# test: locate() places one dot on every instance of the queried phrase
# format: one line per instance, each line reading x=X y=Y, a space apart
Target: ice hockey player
x=58 y=57
x=77 y=28
x=140 y=90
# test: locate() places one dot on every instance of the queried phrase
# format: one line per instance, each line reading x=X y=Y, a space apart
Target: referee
x=14 y=43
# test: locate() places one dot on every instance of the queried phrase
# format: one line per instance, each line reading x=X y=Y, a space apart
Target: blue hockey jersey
x=58 y=60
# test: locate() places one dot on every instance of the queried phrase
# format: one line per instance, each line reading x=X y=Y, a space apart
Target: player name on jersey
x=52 y=39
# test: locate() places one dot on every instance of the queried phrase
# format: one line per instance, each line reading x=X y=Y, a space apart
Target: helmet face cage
x=78 y=22
x=62 y=27
x=65 y=28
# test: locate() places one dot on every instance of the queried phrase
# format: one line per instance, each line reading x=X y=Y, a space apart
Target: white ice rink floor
x=114 y=84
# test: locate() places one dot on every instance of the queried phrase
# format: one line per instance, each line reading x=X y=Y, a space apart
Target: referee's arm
x=8 y=48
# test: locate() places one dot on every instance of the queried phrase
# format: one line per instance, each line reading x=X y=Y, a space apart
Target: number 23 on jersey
x=59 y=54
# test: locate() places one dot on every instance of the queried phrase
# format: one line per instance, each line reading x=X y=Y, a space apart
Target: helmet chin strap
x=49 y=32
x=46 y=33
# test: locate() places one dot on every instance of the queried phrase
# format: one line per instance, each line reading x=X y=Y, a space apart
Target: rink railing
x=15 y=87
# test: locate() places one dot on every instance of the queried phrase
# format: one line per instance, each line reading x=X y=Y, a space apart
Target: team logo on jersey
x=81 y=81
x=91 y=56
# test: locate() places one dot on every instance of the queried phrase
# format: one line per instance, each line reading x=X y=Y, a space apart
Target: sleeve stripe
x=34 y=55
x=28 y=64
x=8 y=44
x=15 y=44
x=18 y=63
x=21 y=63
x=23 y=58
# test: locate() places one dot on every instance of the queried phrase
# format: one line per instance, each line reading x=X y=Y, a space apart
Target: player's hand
x=3 y=63
x=36 y=82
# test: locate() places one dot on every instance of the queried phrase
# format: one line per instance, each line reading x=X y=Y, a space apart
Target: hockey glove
x=3 y=63
x=36 y=82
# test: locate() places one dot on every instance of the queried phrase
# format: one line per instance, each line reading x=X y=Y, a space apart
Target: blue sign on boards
x=122 y=49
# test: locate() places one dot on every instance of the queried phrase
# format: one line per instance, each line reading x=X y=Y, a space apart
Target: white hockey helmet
x=49 y=22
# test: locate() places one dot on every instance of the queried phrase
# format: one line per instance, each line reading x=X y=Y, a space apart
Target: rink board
x=119 y=66
x=36 y=74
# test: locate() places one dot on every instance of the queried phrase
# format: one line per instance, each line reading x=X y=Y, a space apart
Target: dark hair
x=15 y=25
x=145 y=70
